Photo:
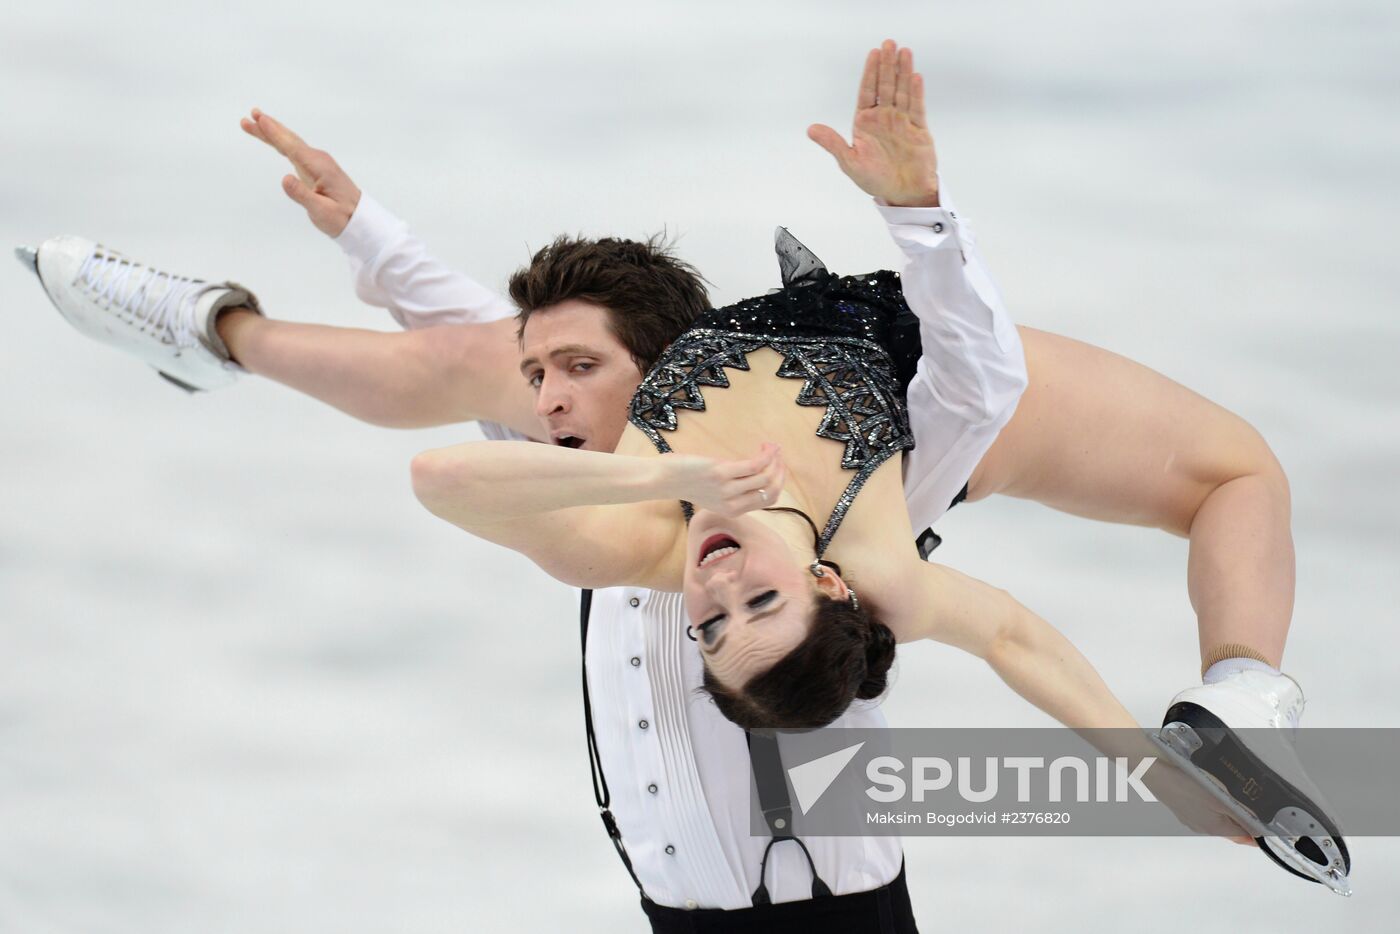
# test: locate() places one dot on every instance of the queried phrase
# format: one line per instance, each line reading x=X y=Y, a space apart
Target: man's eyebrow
x=561 y=351
x=759 y=615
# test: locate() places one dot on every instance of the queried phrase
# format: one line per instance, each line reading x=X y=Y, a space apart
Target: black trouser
x=885 y=910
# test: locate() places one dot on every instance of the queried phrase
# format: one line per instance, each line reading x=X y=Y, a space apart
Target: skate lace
x=154 y=299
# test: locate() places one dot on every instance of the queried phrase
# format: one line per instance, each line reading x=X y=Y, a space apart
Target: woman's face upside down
x=748 y=591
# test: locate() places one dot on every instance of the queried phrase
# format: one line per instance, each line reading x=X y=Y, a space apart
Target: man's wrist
x=926 y=199
x=342 y=213
x=371 y=226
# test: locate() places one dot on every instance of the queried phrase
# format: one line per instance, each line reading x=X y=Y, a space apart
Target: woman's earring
x=855 y=604
x=690 y=633
x=817 y=570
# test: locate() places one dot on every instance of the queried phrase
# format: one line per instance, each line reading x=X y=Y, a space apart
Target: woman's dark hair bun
x=846 y=655
x=879 y=656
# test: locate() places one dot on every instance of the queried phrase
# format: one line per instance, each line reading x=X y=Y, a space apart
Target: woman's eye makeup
x=709 y=629
x=763 y=599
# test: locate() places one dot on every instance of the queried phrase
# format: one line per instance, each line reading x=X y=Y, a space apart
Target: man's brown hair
x=651 y=296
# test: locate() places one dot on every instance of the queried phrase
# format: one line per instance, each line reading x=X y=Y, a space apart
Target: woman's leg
x=412 y=379
x=1100 y=436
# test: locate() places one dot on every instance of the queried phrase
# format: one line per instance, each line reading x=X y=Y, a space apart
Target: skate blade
x=1279 y=835
x=29 y=257
x=178 y=382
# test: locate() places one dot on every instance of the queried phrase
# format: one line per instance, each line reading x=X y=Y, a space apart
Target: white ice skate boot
x=1256 y=773
x=163 y=319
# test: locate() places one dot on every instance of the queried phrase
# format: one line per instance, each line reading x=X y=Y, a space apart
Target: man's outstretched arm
x=972 y=369
x=457 y=363
x=392 y=268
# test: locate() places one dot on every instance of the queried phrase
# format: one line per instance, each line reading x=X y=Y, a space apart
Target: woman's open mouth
x=716 y=548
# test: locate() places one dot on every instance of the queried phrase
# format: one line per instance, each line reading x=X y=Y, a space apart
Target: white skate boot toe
x=1235 y=738
x=163 y=319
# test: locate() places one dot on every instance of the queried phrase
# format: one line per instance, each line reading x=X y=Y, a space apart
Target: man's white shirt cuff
x=371 y=228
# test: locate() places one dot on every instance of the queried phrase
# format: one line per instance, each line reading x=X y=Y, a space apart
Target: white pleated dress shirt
x=678 y=771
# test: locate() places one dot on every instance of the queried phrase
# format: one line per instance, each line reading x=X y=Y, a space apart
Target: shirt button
x=636 y=662
x=670 y=850
x=643 y=724
x=938 y=227
x=652 y=788
x=634 y=602
x=691 y=904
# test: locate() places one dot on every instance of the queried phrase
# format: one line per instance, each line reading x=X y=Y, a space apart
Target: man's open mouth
x=716 y=548
x=570 y=441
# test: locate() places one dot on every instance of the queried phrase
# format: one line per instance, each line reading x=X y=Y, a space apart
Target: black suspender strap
x=962 y=495
x=776 y=804
x=928 y=540
x=773 y=797
x=595 y=762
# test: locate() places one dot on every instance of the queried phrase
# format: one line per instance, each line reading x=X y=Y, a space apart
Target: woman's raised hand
x=891 y=154
x=730 y=488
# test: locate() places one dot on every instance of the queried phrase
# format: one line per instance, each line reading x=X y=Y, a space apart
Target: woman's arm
x=587 y=518
x=1031 y=656
x=1045 y=668
x=580 y=515
x=483 y=483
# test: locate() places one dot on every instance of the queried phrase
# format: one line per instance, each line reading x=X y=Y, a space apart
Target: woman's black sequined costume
x=852 y=339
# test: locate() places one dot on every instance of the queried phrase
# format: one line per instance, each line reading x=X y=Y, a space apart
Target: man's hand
x=320 y=185
x=891 y=154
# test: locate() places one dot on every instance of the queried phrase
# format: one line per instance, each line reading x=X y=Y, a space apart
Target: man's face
x=582 y=375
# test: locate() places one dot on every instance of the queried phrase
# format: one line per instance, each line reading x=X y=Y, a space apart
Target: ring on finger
x=763 y=495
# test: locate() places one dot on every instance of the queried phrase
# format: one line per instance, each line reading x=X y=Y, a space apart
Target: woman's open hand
x=728 y=487
x=1193 y=805
x=891 y=154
